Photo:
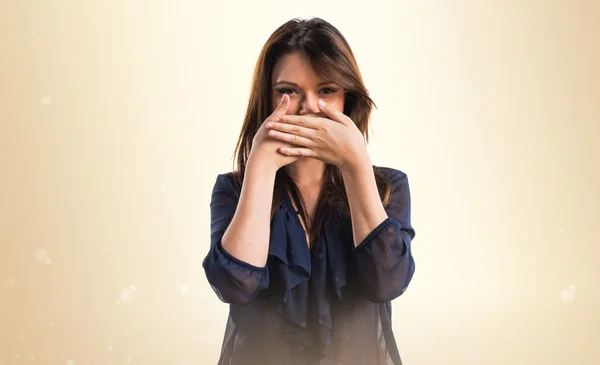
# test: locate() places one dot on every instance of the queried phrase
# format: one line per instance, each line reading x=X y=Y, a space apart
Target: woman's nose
x=309 y=104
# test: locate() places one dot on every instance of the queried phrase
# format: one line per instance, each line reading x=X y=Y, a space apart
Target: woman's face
x=293 y=75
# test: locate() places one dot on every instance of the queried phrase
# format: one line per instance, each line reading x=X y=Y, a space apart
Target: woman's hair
x=329 y=54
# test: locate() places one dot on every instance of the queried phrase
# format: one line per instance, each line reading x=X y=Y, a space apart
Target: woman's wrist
x=258 y=162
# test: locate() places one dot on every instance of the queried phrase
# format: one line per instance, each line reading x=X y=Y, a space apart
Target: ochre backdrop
x=117 y=116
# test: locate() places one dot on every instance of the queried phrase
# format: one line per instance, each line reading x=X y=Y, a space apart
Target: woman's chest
x=310 y=199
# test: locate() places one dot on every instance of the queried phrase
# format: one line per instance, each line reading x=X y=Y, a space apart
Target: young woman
x=310 y=242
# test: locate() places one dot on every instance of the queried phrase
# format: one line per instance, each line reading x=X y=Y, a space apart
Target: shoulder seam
x=391 y=172
x=228 y=177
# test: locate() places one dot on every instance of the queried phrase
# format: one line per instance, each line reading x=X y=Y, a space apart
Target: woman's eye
x=329 y=90
x=326 y=90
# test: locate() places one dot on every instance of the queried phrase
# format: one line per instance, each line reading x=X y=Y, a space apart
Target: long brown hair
x=329 y=54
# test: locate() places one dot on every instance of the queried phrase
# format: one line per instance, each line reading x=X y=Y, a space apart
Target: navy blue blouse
x=328 y=304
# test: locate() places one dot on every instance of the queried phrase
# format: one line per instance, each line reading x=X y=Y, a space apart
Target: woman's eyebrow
x=296 y=85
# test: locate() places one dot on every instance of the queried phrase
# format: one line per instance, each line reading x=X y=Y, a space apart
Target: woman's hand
x=336 y=141
x=264 y=149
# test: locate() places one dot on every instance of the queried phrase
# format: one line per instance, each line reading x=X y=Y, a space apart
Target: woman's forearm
x=247 y=237
x=366 y=209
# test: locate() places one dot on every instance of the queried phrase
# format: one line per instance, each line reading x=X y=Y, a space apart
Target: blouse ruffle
x=327 y=263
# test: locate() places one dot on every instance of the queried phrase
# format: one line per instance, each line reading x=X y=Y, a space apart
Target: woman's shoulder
x=390 y=173
x=226 y=181
x=226 y=175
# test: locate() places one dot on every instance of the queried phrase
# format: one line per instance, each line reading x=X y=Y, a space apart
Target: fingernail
x=322 y=103
x=269 y=125
x=282 y=97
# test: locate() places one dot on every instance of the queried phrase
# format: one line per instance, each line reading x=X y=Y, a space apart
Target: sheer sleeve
x=383 y=260
x=233 y=280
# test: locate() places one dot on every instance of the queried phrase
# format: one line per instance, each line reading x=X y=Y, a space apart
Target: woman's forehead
x=294 y=71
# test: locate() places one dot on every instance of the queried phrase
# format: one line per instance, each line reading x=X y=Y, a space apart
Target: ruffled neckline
x=310 y=279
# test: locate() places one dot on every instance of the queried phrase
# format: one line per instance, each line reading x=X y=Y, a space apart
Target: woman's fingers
x=298 y=151
x=333 y=113
x=308 y=122
x=291 y=138
x=281 y=108
x=292 y=129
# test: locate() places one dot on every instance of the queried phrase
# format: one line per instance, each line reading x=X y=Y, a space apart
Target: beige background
x=116 y=117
